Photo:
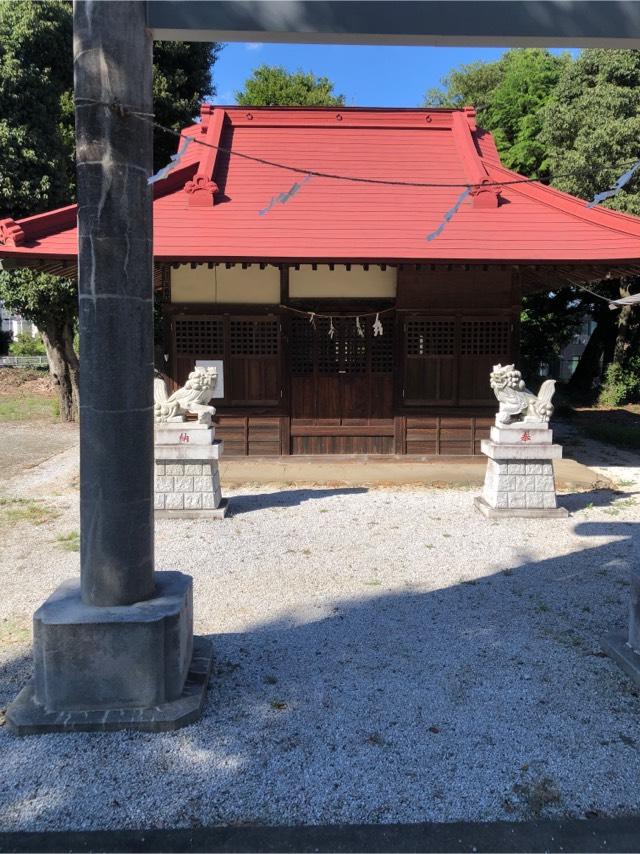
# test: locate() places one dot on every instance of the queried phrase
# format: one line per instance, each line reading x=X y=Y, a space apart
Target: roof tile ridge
x=573 y=206
x=463 y=126
x=201 y=188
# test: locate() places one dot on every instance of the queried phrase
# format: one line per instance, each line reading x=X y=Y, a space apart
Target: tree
x=510 y=95
x=591 y=129
x=271 y=86
x=181 y=82
x=36 y=106
x=548 y=321
x=37 y=170
x=52 y=304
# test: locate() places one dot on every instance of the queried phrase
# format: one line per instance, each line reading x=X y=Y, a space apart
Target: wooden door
x=341 y=387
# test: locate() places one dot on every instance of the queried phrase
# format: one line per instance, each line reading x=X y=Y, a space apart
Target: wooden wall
x=420 y=389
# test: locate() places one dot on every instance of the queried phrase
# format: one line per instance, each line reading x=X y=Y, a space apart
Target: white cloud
x=253 y=46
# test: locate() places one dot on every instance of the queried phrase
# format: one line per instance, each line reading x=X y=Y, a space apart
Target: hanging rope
x=312 y=315
x=125 y=111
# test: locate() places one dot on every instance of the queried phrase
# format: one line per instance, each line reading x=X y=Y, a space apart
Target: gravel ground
x=382 y=655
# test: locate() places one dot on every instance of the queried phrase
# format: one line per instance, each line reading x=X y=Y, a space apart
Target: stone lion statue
x=191 y=398
x=517 y=403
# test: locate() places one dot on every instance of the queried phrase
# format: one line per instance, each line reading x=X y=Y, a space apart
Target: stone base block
x=626 y=658
x=218 y=513
x=94 y=664
x=25 y=716
x=520 y=484
x=187 y=489
x=184 y=433
x=520 y=452
x=518 y=512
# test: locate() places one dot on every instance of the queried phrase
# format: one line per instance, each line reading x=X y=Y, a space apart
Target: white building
x=15 y=324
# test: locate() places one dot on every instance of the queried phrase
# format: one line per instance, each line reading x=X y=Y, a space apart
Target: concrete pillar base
x=122 y=667
x=617 y=648
x=218 y=513
x=518 y=512
x=25 y=716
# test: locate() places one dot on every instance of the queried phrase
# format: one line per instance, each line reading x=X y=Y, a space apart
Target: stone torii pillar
x=117 y=649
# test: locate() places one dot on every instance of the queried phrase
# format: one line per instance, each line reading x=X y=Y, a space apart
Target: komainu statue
x=191 y=398
x=517 y=403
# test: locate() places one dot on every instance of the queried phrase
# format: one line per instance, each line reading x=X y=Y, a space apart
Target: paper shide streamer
x=377 y=326
x=359 y=328
x=619 y=184
x=283 y=198
x=332 y=329
x=449 y=215
x=161 y=174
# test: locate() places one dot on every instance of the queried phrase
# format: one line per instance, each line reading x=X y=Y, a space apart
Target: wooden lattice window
x=254 y=338
x=345 y=352
x=199 y=336
x=301 y=347
x=426 y=337
x=382 y=350
x=484 y=337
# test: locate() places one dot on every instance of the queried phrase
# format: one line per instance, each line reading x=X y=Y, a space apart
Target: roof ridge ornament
x=11 y=234
x=202 y=188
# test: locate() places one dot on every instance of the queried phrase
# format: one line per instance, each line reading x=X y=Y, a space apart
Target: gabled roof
x=209 y=206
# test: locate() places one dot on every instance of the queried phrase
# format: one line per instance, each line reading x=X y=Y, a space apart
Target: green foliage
x=271 y=85
x=27 y=345
x=515 y=109
x=38 y=297
x=181 y=82
x=593 y=121
x=621 y=383
x=467 y=86
x=37 y=168
x=509 y=95
x=548 y=321
x=36 y=108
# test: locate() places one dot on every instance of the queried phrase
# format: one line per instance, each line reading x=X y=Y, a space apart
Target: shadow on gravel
x=597 y=498
x=239 y=504
x=487 y=699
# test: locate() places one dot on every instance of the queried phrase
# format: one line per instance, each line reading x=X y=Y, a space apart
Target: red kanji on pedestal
x=526 y=436
x=184 y=437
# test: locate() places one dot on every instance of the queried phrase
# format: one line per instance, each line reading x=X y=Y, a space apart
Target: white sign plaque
x=218 y=390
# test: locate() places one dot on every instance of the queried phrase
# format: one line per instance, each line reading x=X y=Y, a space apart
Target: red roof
x=209 y=206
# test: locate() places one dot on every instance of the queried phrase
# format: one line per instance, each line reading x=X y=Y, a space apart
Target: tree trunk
x=599 y=349
x=628 y=327
x=63 y=366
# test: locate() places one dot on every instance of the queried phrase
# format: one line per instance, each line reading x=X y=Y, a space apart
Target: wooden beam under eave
x=284 y=284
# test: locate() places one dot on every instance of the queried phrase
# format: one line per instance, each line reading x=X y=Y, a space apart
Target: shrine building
x=358 y=311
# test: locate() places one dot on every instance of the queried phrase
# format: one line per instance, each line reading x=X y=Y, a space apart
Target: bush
x=621 y=384
x=26 y=345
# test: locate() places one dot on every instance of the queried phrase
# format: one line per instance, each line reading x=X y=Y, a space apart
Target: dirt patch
x=25 y=445
x=26 y=381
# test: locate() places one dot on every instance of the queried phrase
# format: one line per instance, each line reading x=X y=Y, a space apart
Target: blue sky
x=366 y=76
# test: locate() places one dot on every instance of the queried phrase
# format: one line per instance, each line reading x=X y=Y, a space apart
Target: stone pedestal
x=187 y=480
x=106 y=668
x=519 y=481
x=625 y=651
